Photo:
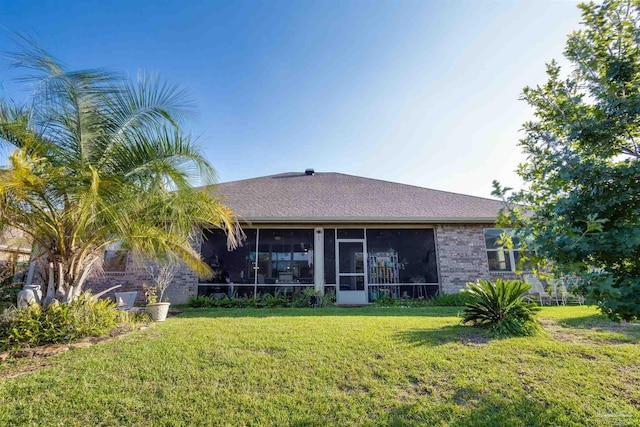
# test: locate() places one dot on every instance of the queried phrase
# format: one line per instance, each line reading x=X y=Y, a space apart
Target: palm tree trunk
x=50 y=288
x=75 y=290
x=60 y=293
x=80 y=283
x=69 y=296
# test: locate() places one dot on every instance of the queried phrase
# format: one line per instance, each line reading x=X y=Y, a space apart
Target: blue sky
x=419 y=92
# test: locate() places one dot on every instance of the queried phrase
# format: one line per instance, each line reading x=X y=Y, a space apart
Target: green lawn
x=309 y=367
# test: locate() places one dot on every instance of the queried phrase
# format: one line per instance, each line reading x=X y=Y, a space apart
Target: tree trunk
x=69 y=296
x=50 y=287
x=32 y=270
x=77 y=291
x=60 y=292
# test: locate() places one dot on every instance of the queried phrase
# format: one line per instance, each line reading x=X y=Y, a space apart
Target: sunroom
x=359 y=264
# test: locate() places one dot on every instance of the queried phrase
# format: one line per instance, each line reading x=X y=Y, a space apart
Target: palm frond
x=499 y=306
x=100 y=159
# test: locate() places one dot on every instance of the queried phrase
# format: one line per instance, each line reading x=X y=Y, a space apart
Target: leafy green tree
x=97 y=159
x=580 y=206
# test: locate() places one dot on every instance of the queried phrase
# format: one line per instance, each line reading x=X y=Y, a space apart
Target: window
x=282 y=256
x=114 y=261
x=415 y=250
x=499 y=257
x=237 y=266
x=285 y=256
x=330 y=256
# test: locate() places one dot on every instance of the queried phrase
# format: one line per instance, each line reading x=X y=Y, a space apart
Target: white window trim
x=509 y=252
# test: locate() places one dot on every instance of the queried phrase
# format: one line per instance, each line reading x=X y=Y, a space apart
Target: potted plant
x=162 y=276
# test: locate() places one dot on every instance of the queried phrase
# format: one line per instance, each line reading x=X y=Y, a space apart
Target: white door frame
x=354 y=297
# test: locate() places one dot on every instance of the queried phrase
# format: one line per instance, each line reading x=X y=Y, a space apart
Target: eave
x=369 y=220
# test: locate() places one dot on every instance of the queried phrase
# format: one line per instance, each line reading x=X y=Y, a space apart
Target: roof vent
x=309 y=172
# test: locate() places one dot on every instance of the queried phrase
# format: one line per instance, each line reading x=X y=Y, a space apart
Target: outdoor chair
x=555 y=291
x=568 y=297
x=537 y=292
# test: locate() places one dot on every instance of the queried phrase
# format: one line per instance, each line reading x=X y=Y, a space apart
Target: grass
x=309 y=367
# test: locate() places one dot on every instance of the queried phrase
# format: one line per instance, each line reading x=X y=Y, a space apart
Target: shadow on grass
x=188 y=312
x=468 y=408
x=595 y=320
x=598 y=326
x=445 y=334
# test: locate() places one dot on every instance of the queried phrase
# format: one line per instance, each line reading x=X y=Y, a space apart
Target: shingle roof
x=326 y=197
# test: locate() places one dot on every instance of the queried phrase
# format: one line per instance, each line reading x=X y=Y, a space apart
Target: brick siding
x=462 y=255
x=135 y=276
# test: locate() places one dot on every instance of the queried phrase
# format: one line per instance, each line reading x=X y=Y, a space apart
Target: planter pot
x=158 y=311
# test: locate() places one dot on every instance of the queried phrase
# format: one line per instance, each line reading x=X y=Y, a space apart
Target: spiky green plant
x=499 y=306
x=99 y=159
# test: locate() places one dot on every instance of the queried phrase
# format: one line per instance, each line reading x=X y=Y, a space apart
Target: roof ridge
x=302 y=174
x=410 y=185
x=248 y=179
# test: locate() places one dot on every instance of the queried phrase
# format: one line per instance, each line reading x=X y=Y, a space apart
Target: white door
x=351 y=286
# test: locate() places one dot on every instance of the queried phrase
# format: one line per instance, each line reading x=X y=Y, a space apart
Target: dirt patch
x=588 y=356
x=25 y=370
x=579 y=335
x=474 y=339
x=555 y=330
x=413 y=391
x=42 y=351
x=78 y=345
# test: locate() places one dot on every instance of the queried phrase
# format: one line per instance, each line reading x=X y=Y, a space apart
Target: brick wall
x=135 y=276
x=504 y=275
x=185 y=285
x=462 y=255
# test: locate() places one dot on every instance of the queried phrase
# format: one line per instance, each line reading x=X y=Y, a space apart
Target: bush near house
x=8 y=287
x=440 y=300
x=499 y=307
x=307 y=298
x=64 y=323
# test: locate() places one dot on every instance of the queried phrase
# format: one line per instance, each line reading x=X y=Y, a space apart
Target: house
x=359 y=237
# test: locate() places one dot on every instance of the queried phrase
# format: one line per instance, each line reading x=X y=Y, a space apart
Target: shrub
x=328 y=299
x=9 y=288
x=227 y=302
x=305 y=298
x=389 y=301
x=129 y=319
x=499 y=307
x=93 y=317
x=9 y=292
x=449 y=300
x=63 y=323
x=309 y=297
x=201 y=301
x=277 y=300
x=385 y=300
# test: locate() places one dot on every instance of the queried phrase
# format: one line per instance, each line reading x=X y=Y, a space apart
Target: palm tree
x=98 y=159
